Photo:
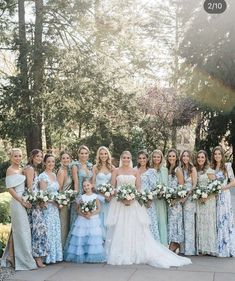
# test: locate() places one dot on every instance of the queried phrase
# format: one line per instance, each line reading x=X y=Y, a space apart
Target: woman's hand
x=26 y=205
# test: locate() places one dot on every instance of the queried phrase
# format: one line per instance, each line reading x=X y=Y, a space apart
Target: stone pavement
x=203 y=268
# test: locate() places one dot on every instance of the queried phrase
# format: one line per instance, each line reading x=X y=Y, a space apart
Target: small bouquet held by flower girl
x=203 y=193
x=159 y=191
x=88 y=207
x=173 y=195
x=126 y=194
x=145 y=198
x=107 y=190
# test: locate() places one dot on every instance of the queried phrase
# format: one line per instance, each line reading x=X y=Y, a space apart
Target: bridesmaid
x=37 y=220
x=175 y=211
x=80 y=170
x=101 y=175
x=189 y=206
x=148 y=182
x=206 y=228
x=225 y=223
x=64 y=177
x=161 y=175
x=49 y=183
x=18 y=251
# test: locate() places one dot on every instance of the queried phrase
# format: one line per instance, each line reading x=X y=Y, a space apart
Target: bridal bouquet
x=106 y=189
x=60 y=198
x=126 y=193
x=178 y=193
x=145 y=198
x=88 y=207
x=215 y=187
x=159 y=191
x=42 y=196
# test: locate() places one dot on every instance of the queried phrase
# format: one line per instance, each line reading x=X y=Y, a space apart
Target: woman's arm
x=114 y=177
x=180 y=176
x=138 y=180
x=94 y=170
x=29 y=173
x=61 y=178
x=194 y=177
x=75 y=177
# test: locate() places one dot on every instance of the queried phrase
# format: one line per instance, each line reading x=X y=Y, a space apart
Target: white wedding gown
x=129 y=240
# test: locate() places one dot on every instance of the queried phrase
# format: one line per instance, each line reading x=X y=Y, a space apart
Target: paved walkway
x=203 y=268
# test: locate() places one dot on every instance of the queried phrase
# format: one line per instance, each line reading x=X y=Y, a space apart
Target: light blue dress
x=102 y=178
x=52 y=219
x=161 y=206
x=148 y=182
x=175 y=216
x=189 y=218
x=86 y=242
x=40 y=246
x=81 y=176
x=20 y=228
x=225 y=222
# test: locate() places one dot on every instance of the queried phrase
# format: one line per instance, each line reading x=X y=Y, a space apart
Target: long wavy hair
x=108 y=161
x=159 y=152
x=190 y=163
x=32 y=154
x=168 y=165
x=206 y=164
x=214 y=163
x=144 y=152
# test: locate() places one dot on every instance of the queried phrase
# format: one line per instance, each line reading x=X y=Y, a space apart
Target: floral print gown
x=225 y=222
x=52 y=219
x=175 y=217
x=148 y=182
x=206 y=219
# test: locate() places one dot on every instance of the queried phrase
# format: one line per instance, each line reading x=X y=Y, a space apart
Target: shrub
x=4 y=234
x=5 y=198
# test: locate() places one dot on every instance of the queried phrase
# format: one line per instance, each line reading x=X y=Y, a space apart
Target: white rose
x=45 y=199
x=128 y=197
x=199 y=191
x=63 y=196
x=204 y=195
x=86 y=209
x=107 y=194
x=150 y=197
x=104 y=189
x=194 y=196
x=65 y=202
x=132 y=196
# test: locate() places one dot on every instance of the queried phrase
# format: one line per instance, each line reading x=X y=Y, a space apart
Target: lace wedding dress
x=129 y=239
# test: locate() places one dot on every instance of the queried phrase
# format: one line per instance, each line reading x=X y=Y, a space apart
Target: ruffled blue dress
x=86 y=242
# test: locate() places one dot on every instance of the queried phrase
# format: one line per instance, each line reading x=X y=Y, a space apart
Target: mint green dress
x=20 y=228
x=161 y=206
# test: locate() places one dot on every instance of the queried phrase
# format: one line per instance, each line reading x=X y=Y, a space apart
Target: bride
x=129 y=240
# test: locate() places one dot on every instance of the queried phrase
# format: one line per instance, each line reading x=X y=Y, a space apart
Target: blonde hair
x=13 y=150
x=98 y=160
x=159 y=152
x=83 y=147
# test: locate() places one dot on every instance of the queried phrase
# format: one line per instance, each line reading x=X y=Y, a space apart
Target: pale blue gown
x=225 y=221
x=81 y=176
x=52 y=219
x=148 y=182
x=189 y=218
x=20 y=228
x=175 y=216
x=102 y=178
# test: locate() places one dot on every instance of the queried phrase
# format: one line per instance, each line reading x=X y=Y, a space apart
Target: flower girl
x=85 y=243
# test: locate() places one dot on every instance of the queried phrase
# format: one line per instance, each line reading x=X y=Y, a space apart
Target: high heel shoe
x=39 y=263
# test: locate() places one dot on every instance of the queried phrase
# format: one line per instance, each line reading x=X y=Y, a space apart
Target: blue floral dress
x=81 y=176
x=206 y=219
x=175 y=216
x=52 y=219
x=40 y=246
x=189 y=218
x=102 y=178
x=148 y=182
x=86 y=243
x=225 y=222
x=161 y=206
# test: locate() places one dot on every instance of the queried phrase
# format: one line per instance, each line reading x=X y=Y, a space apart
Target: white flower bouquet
x=159 y=191
x=178 y=193
x=88 y=207
x=71 y=195
x=202 y=193
x=29 y=197
x=126 y=193
x=145 y=198
x=62 y=199
x=106 y=190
